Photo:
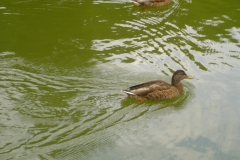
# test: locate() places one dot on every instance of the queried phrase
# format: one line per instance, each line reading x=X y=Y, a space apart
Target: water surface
x=63 y=64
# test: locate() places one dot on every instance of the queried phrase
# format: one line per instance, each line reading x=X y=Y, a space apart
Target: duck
x=158 y=89
x=152 y=3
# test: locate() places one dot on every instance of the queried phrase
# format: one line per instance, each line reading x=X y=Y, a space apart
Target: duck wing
x=144 y=89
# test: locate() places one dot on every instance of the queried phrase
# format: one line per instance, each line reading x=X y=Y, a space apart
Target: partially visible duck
x=157 y=89
x=153 y=3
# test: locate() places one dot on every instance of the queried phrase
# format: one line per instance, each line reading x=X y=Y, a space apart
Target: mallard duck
x=157 y=89
x=153 y=3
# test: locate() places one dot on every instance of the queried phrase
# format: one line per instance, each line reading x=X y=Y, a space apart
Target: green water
x=64 y=62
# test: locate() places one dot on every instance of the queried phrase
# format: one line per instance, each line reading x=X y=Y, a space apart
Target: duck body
x=157 y=89
x=152 y=3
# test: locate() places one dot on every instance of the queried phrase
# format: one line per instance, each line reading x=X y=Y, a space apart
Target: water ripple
x=64 y=110
x=49 y=111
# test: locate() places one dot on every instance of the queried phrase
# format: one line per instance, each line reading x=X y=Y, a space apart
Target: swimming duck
x=157 y=89
x=152 y=3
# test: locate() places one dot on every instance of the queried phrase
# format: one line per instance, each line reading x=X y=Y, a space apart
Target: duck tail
x=135 y=2
x=128 y=92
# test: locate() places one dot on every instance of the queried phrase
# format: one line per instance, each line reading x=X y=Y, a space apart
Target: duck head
x=178 y=76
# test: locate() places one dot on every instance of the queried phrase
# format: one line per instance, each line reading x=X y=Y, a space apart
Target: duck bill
x=189 y=77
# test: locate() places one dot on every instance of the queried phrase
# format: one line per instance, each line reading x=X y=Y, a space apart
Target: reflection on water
x=62 y=110
x=63 y=64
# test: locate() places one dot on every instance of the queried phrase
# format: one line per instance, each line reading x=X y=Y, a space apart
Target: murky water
x=64 y=62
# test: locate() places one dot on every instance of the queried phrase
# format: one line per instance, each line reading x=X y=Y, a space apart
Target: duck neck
x=174 y=81
x=179 y=86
